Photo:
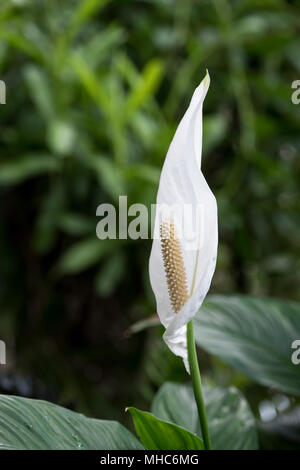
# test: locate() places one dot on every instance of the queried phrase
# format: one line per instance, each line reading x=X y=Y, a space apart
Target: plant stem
x=197 y=386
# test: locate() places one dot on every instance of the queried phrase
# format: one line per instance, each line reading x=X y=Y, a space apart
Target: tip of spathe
x=204 y=85
x=207 y=76
x=202 y=88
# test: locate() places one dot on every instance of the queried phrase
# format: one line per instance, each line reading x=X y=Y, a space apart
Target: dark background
x=95 y=90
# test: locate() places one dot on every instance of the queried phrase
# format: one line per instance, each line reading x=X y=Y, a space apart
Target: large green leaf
x=253 y=335
x=230 y=420
x=157 y=434
x=33 y=424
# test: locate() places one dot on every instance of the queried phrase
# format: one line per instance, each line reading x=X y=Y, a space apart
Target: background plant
x=95 y=90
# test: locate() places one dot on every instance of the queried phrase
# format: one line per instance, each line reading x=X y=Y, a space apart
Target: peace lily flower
x=180 y=276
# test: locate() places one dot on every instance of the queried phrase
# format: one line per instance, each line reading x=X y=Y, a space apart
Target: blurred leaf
x=144 y=324
x=110 y=274
x=156 y=434
x=230 y=420
x=84 y=254
x=101 y=44
x=109 y=174
x=76 y=224
x=293 y=53
x=145 y=86
x=283 y=432
x=20 y=42
x=254 y=335
x=155 y=371
x=91 y=83
x=214 y=130
x=61 y=136
x=144 y=172
x=127 y=69
x=19 y=169
x=39 y=425
x=145 y=127
x=45 y=230
x=84 y=10
x=40 y=91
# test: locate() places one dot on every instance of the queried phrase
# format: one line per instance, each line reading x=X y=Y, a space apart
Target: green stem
x=197 y=386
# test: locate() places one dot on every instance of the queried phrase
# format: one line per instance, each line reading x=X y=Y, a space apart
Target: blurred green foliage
x=95 y=90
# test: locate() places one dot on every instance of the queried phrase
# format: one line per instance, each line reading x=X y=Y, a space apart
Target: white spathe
x=182 y=183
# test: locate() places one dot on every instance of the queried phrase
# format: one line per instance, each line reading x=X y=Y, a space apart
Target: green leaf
x=40 y=91
x=108 y=174
x=18 y=41
x=253 y=335
x=27 y=424
x=214 y=130
x=20 y=169
x=110 y=274
x=75 y=223
x=83 y=12
x=156 y=434
x=91 y=83
x=84 y=254
x=101 y=45
x=144 y=172
x=145 y=87
x=230 y=420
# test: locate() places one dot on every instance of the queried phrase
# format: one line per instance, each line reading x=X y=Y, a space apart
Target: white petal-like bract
x=184 y=249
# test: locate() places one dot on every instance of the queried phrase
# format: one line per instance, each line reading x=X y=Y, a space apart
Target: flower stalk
x=197 y=385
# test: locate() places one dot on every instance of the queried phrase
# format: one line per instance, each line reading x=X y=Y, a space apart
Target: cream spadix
x=184 y=250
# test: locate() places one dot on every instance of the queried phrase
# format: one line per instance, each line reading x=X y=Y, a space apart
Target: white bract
x=184 y=250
